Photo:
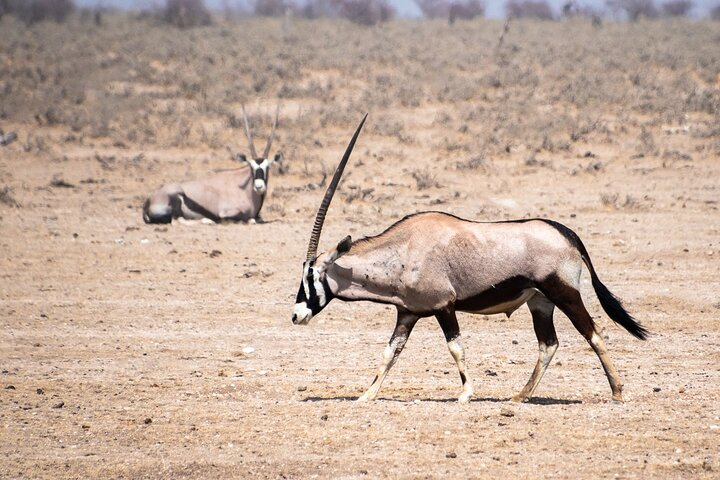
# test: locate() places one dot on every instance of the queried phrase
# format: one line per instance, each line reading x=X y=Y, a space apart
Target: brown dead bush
x=33 y=11
x=715 y=12
x=677 y=8
x=365 y=12
x=451 y=9
x=634 y=9
x=539 y=9
x=186 y=13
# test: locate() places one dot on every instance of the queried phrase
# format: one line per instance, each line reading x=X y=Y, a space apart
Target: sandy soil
x=135 y=351
x=124 y=346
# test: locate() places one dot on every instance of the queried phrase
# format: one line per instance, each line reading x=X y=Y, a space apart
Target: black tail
x=609 y=302
x=614 y=307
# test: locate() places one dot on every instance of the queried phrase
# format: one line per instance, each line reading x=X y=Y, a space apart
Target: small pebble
x=324 y=418
x=506 y=412
x=40 y=391
x=148 y=421
x=301 y=389
x=59 y=405
x=451 y=455
x=656 y=389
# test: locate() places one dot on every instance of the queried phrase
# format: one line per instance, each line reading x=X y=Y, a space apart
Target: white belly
x=507 y=307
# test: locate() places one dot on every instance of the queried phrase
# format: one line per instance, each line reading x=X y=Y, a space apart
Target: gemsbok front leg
x=449 y=324
x=403 y=327
x=542 y=314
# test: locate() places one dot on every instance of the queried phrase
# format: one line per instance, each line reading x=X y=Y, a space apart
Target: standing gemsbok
x=433 y=263
x=228 y=195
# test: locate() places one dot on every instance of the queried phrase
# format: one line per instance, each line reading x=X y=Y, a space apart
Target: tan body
x=224 y=196
x=432 y=261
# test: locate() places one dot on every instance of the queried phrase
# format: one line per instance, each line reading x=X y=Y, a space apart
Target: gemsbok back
x=229 y=195
x=434 y=264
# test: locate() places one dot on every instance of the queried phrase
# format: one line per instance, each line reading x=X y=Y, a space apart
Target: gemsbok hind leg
x=403 y=327
x=542 y=315
x=568 y=299
x=449 y=324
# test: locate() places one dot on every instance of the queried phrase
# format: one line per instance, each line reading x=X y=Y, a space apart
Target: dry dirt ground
x=136 y=351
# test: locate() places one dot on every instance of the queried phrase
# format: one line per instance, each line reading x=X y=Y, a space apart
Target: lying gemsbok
x=229 y=195
x=433 y=263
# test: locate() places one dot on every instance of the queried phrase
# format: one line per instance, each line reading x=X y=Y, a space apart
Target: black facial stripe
x=312 y=300
x=328 y=293
x=259 y=174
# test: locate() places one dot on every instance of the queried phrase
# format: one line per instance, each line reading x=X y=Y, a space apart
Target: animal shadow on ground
x=533 y=401
x=552 y=401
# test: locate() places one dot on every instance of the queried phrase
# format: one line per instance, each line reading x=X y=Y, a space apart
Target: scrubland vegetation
x=143 y=83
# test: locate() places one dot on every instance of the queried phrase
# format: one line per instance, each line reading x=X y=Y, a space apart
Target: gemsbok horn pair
x=434 y=263
x=229 y=195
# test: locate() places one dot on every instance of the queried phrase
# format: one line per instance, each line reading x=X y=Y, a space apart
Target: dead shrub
x=365 y=12
x=6 y=197
x=433 y=8
x=677 y=8
x=451 y=9
x=186 y=13
x=715 y=12
x=466 y=10
x=33 y=11
x=424 y=179
x=573 y=9
x=614 y=201
x=319 y=9
x=473 y=163
x=539 y=9
x=272 y=8
x=634 y=9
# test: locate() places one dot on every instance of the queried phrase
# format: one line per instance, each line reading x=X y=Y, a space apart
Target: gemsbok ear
x=240 y=157
x=342 y=248
x=279 y=157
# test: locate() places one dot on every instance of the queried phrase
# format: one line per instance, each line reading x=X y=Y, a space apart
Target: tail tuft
x=615 y=310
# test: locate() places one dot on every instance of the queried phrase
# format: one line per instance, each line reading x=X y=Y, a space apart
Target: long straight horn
x=272 y=134
x=248 y=134
x=320 y=217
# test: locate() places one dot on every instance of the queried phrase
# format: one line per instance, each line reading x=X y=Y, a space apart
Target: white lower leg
x=545 y=356
x=458 y=353
x=613 y=377
x=390 y=354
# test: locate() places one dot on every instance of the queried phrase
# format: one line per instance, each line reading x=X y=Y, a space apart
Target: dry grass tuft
x=6 y=197
x=424 y=179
